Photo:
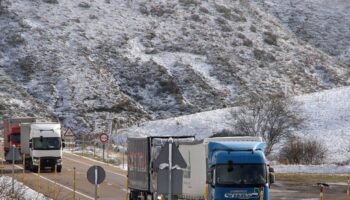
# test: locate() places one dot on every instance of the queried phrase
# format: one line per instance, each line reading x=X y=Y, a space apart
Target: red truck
x=12 y=130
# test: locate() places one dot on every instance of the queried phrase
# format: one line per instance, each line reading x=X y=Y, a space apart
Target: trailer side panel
x=138 y=164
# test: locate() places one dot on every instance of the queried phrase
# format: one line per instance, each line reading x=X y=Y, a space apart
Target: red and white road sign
x=104 y=137
x=69 y=133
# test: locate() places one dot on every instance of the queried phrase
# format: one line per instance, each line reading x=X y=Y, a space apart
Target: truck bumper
x=47 y=161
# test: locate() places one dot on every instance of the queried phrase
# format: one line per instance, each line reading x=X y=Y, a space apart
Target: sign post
x=104 y=139
x=96 y=175
x=170 y=164
x=69 y=138
x=13 y=155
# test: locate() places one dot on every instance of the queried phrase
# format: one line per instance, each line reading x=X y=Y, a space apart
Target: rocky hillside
x=324 y=24
x=139 y=60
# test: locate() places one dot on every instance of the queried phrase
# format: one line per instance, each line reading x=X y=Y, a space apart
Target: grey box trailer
x=142 y=176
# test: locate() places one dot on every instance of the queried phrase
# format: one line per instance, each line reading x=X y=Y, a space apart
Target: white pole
x=13 y=169
x=96 y=182
x=170 y=166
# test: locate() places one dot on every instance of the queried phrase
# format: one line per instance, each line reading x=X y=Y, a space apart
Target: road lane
x=112 y=188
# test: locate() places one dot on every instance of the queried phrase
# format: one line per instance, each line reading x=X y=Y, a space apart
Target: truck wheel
x=32 y=167
x=133 y=195
x=59 y=169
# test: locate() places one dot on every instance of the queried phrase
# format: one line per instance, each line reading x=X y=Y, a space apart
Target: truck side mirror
x=30 y=143
x=63 y=144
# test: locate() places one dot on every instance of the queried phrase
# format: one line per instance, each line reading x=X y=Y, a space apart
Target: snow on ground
x=20 y=189
x=328 y=121
x=312 y=169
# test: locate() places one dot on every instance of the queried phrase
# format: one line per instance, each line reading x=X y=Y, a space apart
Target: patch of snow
x=312 y=169
x=327 y=116
x=25 y=192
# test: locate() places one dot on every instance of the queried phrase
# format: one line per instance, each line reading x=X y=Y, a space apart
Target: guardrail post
x=24 y=167
x=74 y=181
x=55 y=184
x=127 y=185
x=261 y=193
x=348 y=190
x=38 y=179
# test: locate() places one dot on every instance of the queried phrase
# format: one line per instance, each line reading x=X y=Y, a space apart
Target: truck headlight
x=35 y=161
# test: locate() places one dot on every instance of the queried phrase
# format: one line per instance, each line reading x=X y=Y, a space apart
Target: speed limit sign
x=103 y=137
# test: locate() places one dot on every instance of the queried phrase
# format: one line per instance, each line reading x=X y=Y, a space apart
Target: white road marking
x=84 y=195
x=122 y=175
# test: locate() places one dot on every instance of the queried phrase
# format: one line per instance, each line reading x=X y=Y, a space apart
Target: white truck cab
x=42 y=143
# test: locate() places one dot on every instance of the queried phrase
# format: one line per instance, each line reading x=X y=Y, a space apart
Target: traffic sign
x=13 y=154
x=69 y=133
x=170 y=180
x=104 y=137
x=162 y=160
x=96 y=174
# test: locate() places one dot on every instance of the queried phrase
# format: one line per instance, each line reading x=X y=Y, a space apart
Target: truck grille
x=48 y=161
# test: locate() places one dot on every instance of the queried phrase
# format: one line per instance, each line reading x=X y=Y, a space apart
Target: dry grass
x=312 y=178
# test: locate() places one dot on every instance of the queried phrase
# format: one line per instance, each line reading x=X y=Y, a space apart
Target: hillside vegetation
x=138 y=60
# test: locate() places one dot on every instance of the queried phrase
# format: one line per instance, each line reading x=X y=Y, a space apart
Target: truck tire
x=59 y=169
x=133 y=195
x=32 y=167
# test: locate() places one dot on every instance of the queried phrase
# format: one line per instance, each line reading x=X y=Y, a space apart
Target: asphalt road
x=114 y=186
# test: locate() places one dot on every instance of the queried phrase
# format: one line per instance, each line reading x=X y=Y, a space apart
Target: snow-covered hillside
x=324 y=24
x=327 y=114
x=137 y=60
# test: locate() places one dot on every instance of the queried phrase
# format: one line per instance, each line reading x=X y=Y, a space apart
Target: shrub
x=204 y=10
x=222 y=9
x=84 y=5
x=270 y=38
x=190 y=2
x=298 y=151
x=51 y=1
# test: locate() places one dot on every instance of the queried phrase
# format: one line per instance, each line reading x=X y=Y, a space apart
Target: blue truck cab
x=238 y=170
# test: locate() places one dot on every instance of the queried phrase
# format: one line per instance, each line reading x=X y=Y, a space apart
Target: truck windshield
x=16 y=138
x=51 y=143
x=241 y=175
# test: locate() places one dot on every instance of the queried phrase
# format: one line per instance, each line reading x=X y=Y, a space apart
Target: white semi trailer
x=42 y=143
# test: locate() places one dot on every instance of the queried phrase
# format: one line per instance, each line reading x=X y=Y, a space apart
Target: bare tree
x=268 y=116
x=298 y=151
